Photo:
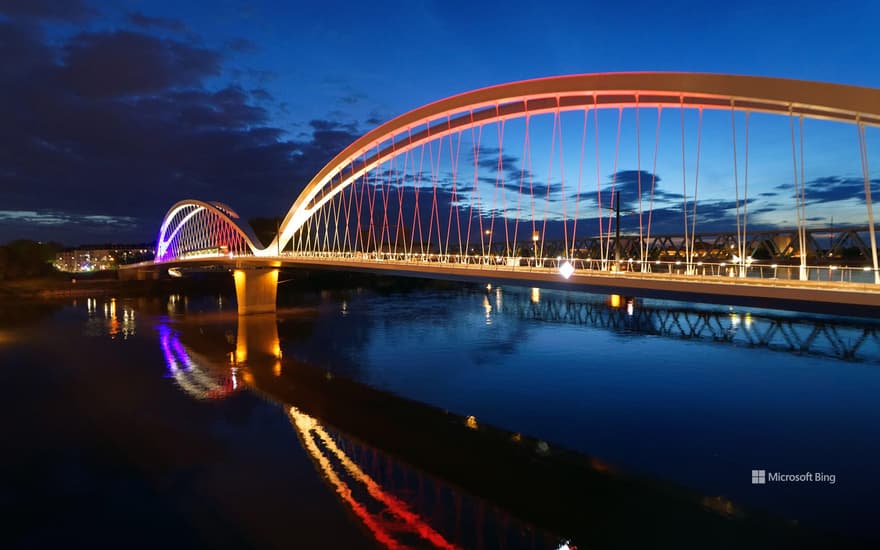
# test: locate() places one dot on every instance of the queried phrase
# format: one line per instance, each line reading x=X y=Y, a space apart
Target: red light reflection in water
x=306 y=425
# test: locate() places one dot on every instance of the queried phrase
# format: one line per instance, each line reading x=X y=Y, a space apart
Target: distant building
x=102 y=257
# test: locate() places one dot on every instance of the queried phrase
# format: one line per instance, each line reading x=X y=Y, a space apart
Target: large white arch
x=564 y=93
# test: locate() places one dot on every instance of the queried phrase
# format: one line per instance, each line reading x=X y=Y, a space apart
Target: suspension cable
x=739 y=244
x=684 y=184
x=746 y=195
x=863 y=149
x=797 y=195
x=599 y=181
x=696 y=187
x=803 y=195
x=580 y=179
x=639 y=181
x=653 y=181
x=614 y=186
x=549 y=179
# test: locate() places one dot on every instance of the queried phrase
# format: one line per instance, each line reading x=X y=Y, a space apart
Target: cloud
x=352 y=98
x=121 y=63
x=261 y=94
x=147 y=22
x=49 y=225
x=375 y=119
x=831 y=189
x=103 y=132
x=241 y=45
x=73 y=11
x=48 y=217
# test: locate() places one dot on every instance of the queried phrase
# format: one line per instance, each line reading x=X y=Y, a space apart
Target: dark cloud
x=493 y=160
x=74 y=11
x=831 y=189
x=332 y=127
x=22 y=54
x=536 y=188
x=101 y=134
x=625 y=183
x=374 y=119
x=124 y=63
x=241 y=45
x=352 y=98
x=764 y=209
x=147 y=22
x=261 y=94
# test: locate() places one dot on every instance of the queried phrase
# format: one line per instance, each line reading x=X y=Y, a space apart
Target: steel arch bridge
x=193 y=228
x=442 y=185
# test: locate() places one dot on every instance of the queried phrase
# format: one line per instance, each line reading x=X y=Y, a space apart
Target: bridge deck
x=713 y=288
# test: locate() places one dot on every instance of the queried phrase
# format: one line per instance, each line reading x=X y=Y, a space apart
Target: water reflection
x=395 y=520
x=189 y=371
x=400 y=506
x=116 y=321
x=415 y=476
x=841 y=338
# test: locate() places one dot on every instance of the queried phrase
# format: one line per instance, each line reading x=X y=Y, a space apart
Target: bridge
x=489 y=186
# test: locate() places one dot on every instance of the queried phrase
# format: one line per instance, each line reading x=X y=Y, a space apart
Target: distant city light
x=108 y=257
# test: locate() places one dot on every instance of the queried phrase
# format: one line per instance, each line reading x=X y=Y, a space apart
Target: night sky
x=111 y=112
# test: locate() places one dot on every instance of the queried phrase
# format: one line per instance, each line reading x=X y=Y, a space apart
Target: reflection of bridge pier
x=257 y=340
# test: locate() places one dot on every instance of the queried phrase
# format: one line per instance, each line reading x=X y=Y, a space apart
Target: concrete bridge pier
x=256 y=290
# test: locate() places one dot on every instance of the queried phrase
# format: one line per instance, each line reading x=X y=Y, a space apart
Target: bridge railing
x=721 y=270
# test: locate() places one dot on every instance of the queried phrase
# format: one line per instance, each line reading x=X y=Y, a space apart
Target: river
x=437 y=416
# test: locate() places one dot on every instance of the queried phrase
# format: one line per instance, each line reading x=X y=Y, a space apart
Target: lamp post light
x=535 y=246
x=487 y=254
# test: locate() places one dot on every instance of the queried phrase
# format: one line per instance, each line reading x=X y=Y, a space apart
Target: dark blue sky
x=113 y=112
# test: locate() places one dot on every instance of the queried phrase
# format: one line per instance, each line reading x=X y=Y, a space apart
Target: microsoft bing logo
x=759 y=477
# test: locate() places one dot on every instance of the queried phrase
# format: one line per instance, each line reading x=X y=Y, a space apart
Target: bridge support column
x=255 y=290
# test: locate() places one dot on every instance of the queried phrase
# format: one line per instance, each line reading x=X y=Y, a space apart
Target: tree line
x=24 y=258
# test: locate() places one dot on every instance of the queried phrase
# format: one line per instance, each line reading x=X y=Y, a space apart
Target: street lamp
x=535 y=246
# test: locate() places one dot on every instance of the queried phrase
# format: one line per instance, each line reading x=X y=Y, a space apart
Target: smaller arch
x=193 y=227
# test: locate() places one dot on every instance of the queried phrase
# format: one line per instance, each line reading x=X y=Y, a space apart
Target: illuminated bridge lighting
x=192 y=378
x=464 y=188
x=396 y=503
x=306 y=426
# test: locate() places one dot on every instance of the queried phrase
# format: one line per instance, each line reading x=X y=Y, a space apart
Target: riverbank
x=103 y=284
x=65 y=285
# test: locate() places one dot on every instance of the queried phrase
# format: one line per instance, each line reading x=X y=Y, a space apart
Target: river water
x=437 y=416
